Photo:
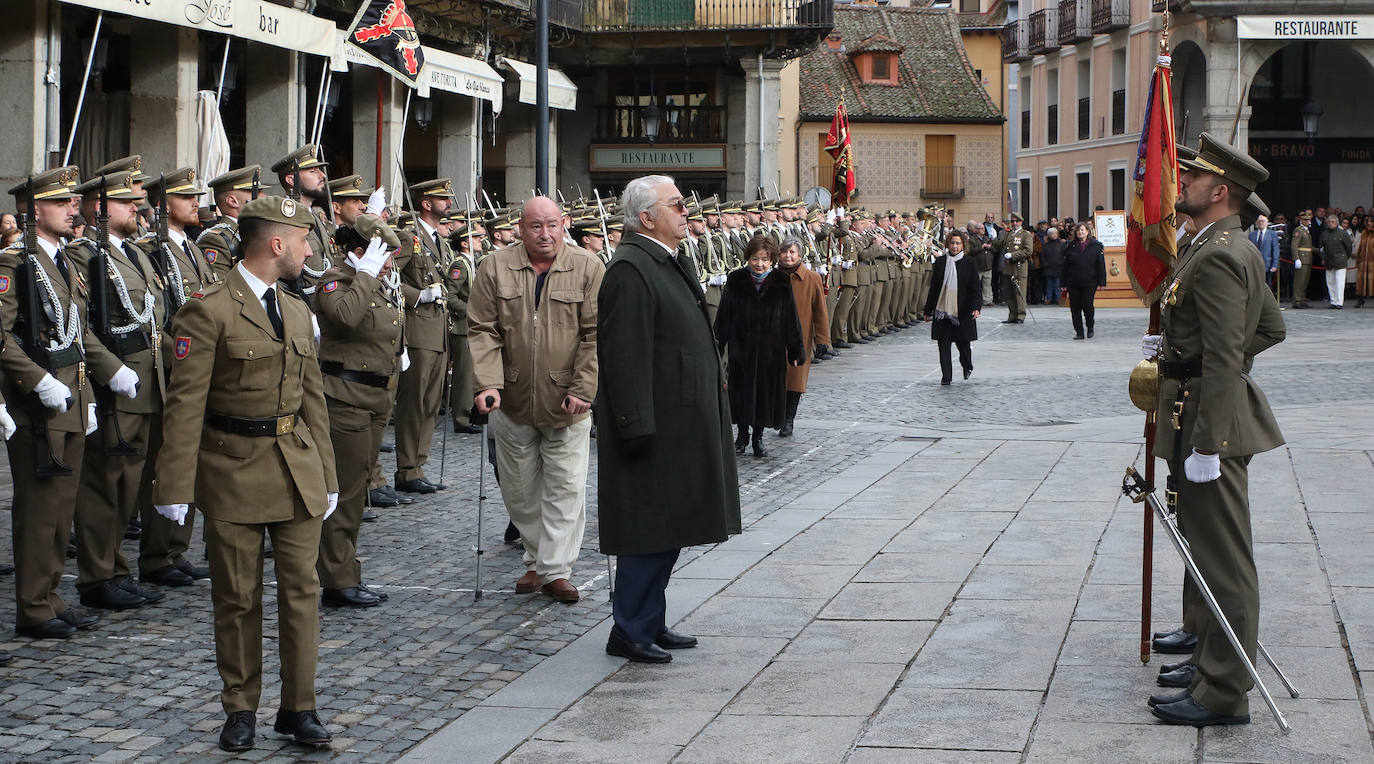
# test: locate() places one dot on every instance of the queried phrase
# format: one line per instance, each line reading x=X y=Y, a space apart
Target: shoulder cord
x=68 y=324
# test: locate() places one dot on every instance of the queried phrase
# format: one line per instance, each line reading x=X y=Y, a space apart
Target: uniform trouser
x=1015 y=293
x=832 y=297
x=839 y=317
x=858 y=312
x=1081 y=306
x=1217 y=518
x=418 y=394
x=985 y=278
x=919 y=292
x=163 y=542
x=947 y=360
x=640 y=605
x=875 y=307
x=1335 y=286
x=108 y=497
x=1300 y=278
x=712 y=302
x=43 y=509
x=356 y=434
x=544 y=485
x=460 y=392
x=890 y=290
x=236 y=590
x=378 y=480
x=906 y=309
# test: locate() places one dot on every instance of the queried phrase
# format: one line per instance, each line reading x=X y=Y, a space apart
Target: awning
x=444 y=71
x=255 y=20
x=562 y=91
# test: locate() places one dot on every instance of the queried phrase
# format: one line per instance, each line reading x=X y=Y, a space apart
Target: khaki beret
x=369 y=226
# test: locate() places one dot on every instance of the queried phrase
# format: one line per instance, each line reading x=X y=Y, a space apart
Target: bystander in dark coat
x=758 y=327
x=1085 y=270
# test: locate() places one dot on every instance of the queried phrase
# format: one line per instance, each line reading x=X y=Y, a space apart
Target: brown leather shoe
x=561 y=590
x=528 y=583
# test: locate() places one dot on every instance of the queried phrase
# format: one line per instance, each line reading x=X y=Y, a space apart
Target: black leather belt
x=1180 y=369
x=125 y=345
x=336 y=369
x=257 y=428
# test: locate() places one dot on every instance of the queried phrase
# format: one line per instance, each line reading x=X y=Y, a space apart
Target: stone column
x=363 y=80
x=24 y=98
x=518 y=125
x=745 y=116
x=458 y=140
x=274 y=111
x=162 y=107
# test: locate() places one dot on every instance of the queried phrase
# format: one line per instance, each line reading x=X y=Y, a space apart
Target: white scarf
x=947 y=306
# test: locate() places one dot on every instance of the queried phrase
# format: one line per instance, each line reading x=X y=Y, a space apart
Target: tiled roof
x=995 y=18
x=878 y=43
x=935 y=81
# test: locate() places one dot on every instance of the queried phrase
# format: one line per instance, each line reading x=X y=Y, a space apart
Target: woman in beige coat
x=808 y=292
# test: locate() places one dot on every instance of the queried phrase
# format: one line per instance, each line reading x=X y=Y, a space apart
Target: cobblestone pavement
x=142 y=686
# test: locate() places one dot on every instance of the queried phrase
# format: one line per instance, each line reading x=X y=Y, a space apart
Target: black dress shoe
x=80 y=619
x=131 y=586
x=1189 y=711
x=1159 y=634
x=467 y=429
x=674 y=640
x=1009 y=321
x=512 y=534
x=383 y=596
x=862 y=340
x=167 y=575
x=379 y=498
x=198 y=572
x=1183 y=677
x=759 y=451
x=6 y=570
x=1177 y=643
x=368 y=516
x=237 y=734
x=353 y=596
x=1169 y=668
x=641 y=652
x=1165 y=698
x=53 y=628
x=1078 y=336
x=109 y=595
x=1090 y=334
x=416 y=485
x=968 y=373
x=841 y=344
x=304 y=727
x=946 y=381
x=786 y=430
x=390 y=491
x=388 y=446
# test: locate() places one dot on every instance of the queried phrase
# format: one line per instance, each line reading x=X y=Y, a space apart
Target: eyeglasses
x=678 y=204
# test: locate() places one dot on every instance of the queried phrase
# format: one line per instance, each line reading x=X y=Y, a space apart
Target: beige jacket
x=535 y=354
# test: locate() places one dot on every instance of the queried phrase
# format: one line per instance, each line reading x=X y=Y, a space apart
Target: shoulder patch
x=183 y=344
x=210 y=255
x=456 y=273
x=331 y=286
x=197 y=295
x=4 y=284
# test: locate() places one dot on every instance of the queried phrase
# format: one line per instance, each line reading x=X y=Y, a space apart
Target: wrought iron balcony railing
x=1016 y=42
x=1109 y=15
x=676 y=124
x=1075 y=21
x=703 y=15
x=1044 y=30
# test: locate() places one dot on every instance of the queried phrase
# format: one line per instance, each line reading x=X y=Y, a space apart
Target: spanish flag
x=1150 y=238
x=837 y=145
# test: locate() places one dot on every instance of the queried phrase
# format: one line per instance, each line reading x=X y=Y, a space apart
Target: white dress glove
x=1007 y=255
x=1297 y=264
x=405 y=358
x=373 y=258
x=1149 y=345
x=125 y=382
x=52 y=393
x=91 y=422
x=1202 y=468
x=376 y=202
x=429 y=294
x=174 y=512
x=315 y=327
x=333 y=504
x=7 y=425
x=846 y=265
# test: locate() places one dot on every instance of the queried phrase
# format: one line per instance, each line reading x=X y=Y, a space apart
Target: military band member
x=844 y=260
x=304 y=163
x=1301 y=250
x=245 y=439
x=1016 y=255
x=220 y=241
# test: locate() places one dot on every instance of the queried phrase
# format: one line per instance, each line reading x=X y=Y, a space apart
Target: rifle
x=100 y=310
x=46 y=461
x=171 y=272
x=601 y=216
x=236 y=246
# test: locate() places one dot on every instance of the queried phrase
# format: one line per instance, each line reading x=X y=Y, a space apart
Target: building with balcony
x=924 y=127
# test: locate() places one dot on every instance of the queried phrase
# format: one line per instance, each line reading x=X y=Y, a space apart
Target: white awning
x=445 y=71
x=255 y=20
x=562 y=91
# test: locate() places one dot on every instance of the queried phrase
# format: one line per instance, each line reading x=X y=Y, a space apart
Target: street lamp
x=1311 y=112
x=424 y=112
x=650 y=115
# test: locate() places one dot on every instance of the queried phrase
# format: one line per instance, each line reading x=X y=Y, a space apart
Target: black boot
x=758 y=444
x=793 y=400
x=742 y=440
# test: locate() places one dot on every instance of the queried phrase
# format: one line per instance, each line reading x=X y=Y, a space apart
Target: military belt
x=1180 y=369
x=336 y=369
x=125 y=345
x=256 y=428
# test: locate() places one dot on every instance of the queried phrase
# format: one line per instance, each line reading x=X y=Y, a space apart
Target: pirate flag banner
x=384 y=31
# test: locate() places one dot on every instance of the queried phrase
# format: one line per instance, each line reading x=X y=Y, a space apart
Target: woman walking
x=757 y=325
x=808 y=294
x=952 y=306
x=1085 y=271
x=1364 y=263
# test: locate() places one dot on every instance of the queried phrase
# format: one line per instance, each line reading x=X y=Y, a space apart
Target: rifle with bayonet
x=171 y=271
x=121 y=344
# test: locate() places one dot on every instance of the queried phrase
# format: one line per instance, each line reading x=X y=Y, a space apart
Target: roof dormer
x=876 y=59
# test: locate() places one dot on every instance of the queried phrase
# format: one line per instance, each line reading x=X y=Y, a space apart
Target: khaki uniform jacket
x=458 y=276
x=536 y=354
x=21 y=372
x=848 y=243
x=362 y=327
x=1302 y=245
x=323 y=255
x=1217 y=309
x=229 y=361
x=150 y=363
x=218 y=243
x=197 y=273
x=423 y=266
x=1020 y=245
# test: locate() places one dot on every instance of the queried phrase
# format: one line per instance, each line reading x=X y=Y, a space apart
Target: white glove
x=1149 y=345
x=1007 y=255
x=125 y=382
x=830 y=217
x=7 y=425
x=372 y=260
x=846 y=265
x=1202 y=468
x=836 y=260
x=1297 y=264
x=823 y=270
x=174 y=512
x=52 y=393
x=333 y=504
x=376 y=202
x=430 y=294
x=315 y=327
x=91 y=421
x=405 y=359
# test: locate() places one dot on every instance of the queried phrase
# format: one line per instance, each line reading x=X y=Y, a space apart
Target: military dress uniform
x=458 y=279
x=220 y=242
x=846 y=263
x=1016 y=257
x=323 y=254
x=1301 y=250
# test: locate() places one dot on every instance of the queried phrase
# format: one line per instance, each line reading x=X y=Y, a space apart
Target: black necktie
x=132 y=254
x=195 y=261
x=61 y=263
x=270 y=298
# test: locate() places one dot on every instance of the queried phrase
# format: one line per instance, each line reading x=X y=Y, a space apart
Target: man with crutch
x=1216 y=316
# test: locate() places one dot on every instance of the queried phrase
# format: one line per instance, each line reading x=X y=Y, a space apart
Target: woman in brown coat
x=808 y=293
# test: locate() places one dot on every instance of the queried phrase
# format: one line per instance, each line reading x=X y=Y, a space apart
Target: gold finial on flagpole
x=1164 y=35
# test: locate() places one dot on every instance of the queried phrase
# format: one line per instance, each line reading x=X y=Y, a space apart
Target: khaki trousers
x=1015 y=293
x=417 y=405
x=544 y=484
x=919 y=290
x=357 y=435
x=858 y=313
x=839 y=316
x=236 y=590
x=985 y=278
x=461 y=392
x=108 y=497
x=831 y=298
x=875 y=307
x=163 y=542
x=42 y=520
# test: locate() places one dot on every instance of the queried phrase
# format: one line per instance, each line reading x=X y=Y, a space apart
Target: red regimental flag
x=838 y=146
x=1151 y=240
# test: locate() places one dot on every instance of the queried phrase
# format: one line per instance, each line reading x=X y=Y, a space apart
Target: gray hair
x=640 y=195
x=792 y=241
x=1052 y=232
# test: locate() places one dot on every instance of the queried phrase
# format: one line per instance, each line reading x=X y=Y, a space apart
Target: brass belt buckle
x=286 y=424
x=1178 y=413
x=1171 y=498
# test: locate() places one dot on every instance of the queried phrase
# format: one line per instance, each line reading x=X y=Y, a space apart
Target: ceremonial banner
x=1151 y=242
x=384 y=31
x=838 y=146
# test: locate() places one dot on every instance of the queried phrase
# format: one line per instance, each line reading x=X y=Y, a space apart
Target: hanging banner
x=384 y=31
x=1305 y=27
x=444 y=71
x=255 y=20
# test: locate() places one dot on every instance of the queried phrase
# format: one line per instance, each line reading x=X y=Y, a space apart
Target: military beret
x=278 y=209
x=302 y=158
x=369 y=226
x=1220 y=158
x=180 y=182
x=442 y=187
x=132 y=164
x=240 y=179
x=350 y=187
x=54 y=185
x=118 y=187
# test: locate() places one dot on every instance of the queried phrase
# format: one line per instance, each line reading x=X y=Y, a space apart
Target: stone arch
x=1189 y=91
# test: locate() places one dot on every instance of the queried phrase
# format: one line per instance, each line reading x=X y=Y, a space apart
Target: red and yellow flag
x=838 y=146
x=1151 y=242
